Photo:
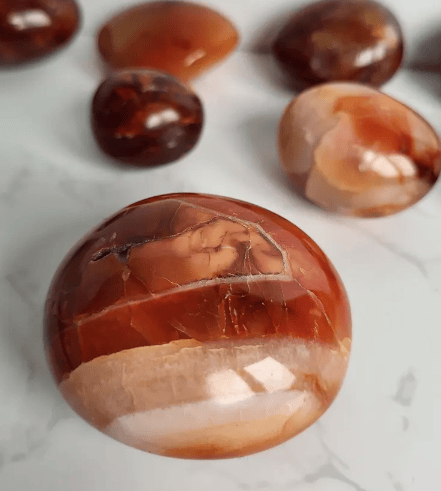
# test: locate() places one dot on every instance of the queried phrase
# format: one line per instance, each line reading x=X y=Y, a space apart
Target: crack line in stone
x=190 y=286
x=288 y=276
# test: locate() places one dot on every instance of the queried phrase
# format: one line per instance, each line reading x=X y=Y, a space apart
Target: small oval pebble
x=347 y=40
x=198 y=326
x=146 y=118
x=31 y=29
x=354 y=150
x=181 y=38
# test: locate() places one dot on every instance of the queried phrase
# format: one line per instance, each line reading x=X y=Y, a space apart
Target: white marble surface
x=383 y=433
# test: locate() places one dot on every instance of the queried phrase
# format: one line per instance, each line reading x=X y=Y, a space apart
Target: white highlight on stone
x=271 y=374
x=371 y=55
x=393 y=165
x=197 y=55
x=227 y=387
x=160 y=118
x=29 y=19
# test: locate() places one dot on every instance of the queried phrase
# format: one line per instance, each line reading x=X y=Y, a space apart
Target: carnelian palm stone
x=354 y=150
x=146 y=117
x=181 y=38
x=32 y=29
x=330 y=40
x=198 y=326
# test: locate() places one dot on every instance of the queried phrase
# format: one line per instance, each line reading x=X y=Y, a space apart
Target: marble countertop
x=383 y=433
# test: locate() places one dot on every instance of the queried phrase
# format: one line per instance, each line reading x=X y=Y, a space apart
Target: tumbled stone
x=31 y=29
x=197 y=326
x=181 y=38
x=146 y=118
x=352 y=149
x=346 y=40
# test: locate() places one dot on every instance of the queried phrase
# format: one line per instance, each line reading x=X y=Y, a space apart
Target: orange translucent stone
x=198 y=326
x=181 y=38
x=352 y=149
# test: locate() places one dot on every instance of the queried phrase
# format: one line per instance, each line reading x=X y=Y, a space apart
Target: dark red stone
x=340 y=40
x=146 y=117
x=31 y=29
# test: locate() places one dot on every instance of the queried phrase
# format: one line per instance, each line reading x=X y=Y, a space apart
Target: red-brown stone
x=352 y=149
x=181 y=38
x=347 y=40
x=31 y=29
x=198 y=326
x=146 y=118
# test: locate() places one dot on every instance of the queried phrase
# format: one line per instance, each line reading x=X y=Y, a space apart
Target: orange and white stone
x=354 y=150
x=188 y=399
x=198 y=326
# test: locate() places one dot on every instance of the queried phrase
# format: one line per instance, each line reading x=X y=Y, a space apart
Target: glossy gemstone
x=31 y=29
x=146 y=118
x=354 y=150
x=181 y=38
x=197 y=326
x=347 y=40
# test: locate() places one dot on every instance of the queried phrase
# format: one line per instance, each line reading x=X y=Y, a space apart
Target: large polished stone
x=198 y=326
x=352 y=149
x=346 y=40
x=31 y=29
x=146 y=117
x=181 y=38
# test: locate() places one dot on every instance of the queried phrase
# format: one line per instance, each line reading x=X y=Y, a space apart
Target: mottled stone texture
x=346 y=40
x=181 y=38
x=146 y=118
x=32 y=29
x=354 y=150
x=198 y=326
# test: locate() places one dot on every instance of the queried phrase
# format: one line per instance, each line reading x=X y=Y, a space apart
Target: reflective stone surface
x=31 y=29
x=354 y=150
x=198 y=326
x=347 y=40
x=181 y=38
x=146 y=118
